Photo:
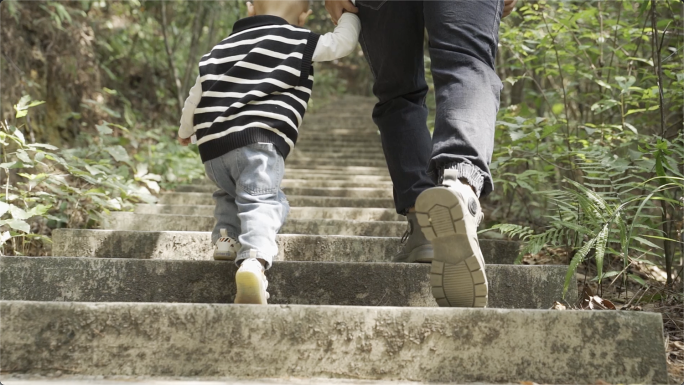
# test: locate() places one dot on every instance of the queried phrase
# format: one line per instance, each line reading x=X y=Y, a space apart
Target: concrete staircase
x=143 y=297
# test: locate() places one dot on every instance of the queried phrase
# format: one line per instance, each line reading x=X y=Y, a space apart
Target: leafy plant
x=46 y=188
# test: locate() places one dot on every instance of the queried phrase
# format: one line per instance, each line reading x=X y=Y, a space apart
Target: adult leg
x=463 y=39
x=392 y=41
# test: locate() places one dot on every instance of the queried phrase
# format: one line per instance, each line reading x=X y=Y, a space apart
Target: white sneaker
x=449 y=216
x=251 y=283
x=226 y=248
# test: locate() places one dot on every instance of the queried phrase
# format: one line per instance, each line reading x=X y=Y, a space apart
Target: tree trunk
x=169 y=55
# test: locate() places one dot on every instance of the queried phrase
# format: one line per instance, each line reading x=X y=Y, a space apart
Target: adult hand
x=509 y=5
x=184 y=141
x=336 y=7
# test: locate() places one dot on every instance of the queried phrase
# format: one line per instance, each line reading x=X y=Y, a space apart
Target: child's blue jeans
x=249 y=202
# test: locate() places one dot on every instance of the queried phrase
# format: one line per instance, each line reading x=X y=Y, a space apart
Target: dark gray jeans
x=463 y=38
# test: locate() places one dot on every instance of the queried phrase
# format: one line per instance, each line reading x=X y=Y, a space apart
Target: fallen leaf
x=594 y=302
x=558 y=306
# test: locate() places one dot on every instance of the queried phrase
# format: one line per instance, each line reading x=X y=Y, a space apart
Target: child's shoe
x=226 y=248
x=251 y=283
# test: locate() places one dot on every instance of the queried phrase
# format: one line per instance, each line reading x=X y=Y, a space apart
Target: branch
x=658 y=67
x=560 y=72
x=169 y=56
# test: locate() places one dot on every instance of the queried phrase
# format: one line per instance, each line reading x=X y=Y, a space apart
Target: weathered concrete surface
x=320 y=162
x=298 y=183
x=340 y=169
x=314 y=178
x=170 y=222
x=127 y=380
x=320 y=283
x=347 y=213
x=350 y=138
x=331 y=182
x=304 y=174
x=303 y=189
x=365 y=153
x=421 y=344
x=350 y=150
x=295 y=201
x=190 y=245
x=350 y=192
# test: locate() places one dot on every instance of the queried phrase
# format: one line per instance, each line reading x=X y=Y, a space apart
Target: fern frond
x=576 y=260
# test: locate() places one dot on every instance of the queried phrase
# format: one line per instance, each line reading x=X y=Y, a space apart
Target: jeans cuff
x=245 y=254
x=467 y=171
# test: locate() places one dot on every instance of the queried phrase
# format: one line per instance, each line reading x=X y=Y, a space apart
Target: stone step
x=302 y=174
x=310 y=178
x=331 y=173
x=339 y=127
x=339 y=170
x=317 y=163
x=377 y=154
x=307 y=189
x=191 y=245
x=62 y=379
x=168 y=222
x=312 y=283
x=345 y=213
x=361 y=171
x=329 y=182
x=332 y=142
x=363 y=134
x=296 y=341
x=335 y=145
x=295 y=201
x=348 y=192
x=372 y=153
x=370 y=146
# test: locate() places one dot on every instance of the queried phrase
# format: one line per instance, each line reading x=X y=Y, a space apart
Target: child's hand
x=184 y=141
x=509 y=5
x=337 y=7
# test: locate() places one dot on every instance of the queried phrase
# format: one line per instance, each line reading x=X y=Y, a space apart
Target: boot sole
x=250 y=288
x=457 y=274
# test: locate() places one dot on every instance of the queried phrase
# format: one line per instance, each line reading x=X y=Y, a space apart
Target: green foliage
x=589 y=148
x=47 y=188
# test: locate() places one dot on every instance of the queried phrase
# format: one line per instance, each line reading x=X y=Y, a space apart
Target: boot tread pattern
x=455 y=282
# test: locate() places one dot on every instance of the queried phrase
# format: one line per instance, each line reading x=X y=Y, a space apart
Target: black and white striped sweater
x=255 y=87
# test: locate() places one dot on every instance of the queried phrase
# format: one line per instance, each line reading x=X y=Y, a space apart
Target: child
x=244 y=112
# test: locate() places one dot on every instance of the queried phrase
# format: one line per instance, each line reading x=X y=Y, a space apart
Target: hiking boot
x=448 y=216
x=226 y=248
x=416 y=248
x=251 y=283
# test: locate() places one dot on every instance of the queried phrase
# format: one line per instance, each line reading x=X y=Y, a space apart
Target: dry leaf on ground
x=594 y=302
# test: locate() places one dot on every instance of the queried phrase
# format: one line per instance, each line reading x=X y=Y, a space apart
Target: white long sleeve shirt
x=331 y=46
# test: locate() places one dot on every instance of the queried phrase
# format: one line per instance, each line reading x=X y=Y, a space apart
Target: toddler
x=244 y=112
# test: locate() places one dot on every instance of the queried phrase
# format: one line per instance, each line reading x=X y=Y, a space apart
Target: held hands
x=336 y=7
x=509 y=5
x=184 y=141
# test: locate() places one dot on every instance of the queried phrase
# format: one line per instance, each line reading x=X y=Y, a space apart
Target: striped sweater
x=254 y=86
